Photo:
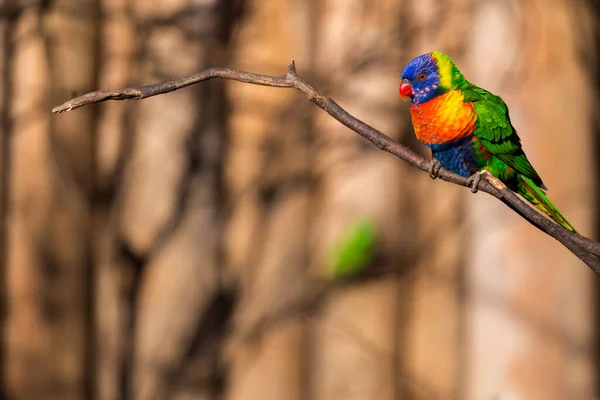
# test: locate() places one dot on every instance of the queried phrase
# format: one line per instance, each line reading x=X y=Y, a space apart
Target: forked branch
x=585 y=249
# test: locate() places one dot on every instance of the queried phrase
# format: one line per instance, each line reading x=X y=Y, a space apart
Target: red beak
x=406 y=91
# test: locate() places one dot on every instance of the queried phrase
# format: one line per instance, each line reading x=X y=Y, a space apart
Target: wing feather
x=496 y=132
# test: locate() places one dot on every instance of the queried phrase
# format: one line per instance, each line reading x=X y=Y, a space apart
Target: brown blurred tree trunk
x=168 y=158
x=530 y=301
x=355 y=336
x=162 y=271
x=271 y=192
x=49 y=231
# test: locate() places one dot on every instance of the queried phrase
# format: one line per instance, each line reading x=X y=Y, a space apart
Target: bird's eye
x=422 y=77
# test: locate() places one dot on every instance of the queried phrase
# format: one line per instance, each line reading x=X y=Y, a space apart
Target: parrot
x=469 y=131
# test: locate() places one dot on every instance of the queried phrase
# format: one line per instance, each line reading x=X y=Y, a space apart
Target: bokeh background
x=177 y=247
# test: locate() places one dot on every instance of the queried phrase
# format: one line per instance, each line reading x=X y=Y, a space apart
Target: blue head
x=428 y=76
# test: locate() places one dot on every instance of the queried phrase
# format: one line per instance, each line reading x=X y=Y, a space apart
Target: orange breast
x=444 y=119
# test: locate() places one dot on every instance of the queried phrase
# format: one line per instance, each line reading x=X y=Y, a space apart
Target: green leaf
x=353 y=250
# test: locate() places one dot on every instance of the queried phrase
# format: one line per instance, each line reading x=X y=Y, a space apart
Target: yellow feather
x=445 y=66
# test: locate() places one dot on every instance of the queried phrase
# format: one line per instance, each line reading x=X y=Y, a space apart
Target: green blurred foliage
x=353 y=250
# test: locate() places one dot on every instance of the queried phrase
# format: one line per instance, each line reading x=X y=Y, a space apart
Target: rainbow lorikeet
x=468 y=130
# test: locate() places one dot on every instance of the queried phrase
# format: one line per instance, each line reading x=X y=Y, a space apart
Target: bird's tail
x=538 y=198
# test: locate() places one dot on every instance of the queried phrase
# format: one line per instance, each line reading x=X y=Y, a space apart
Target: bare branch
x=585 y=249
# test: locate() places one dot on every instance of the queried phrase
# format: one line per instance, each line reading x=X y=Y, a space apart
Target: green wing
x=497 y=134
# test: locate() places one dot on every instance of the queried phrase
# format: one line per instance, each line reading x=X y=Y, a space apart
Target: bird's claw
x=434 y=168
x=473 y=180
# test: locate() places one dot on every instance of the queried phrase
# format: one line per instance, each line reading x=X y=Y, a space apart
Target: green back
x=496 y=133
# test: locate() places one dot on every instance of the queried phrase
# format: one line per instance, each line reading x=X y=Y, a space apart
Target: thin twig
x=585 y=249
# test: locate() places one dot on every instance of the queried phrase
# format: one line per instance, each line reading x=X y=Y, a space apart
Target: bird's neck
x=443 y=119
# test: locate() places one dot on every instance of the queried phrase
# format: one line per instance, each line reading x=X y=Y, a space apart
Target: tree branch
x=585 y=249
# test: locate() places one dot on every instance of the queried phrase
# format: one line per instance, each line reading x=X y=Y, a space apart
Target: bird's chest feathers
x=443 y=119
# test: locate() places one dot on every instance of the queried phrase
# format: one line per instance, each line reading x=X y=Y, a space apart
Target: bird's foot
x=473 y=180
x=434 y=168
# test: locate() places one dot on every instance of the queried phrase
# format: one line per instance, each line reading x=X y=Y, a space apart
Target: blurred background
x=195 y=245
